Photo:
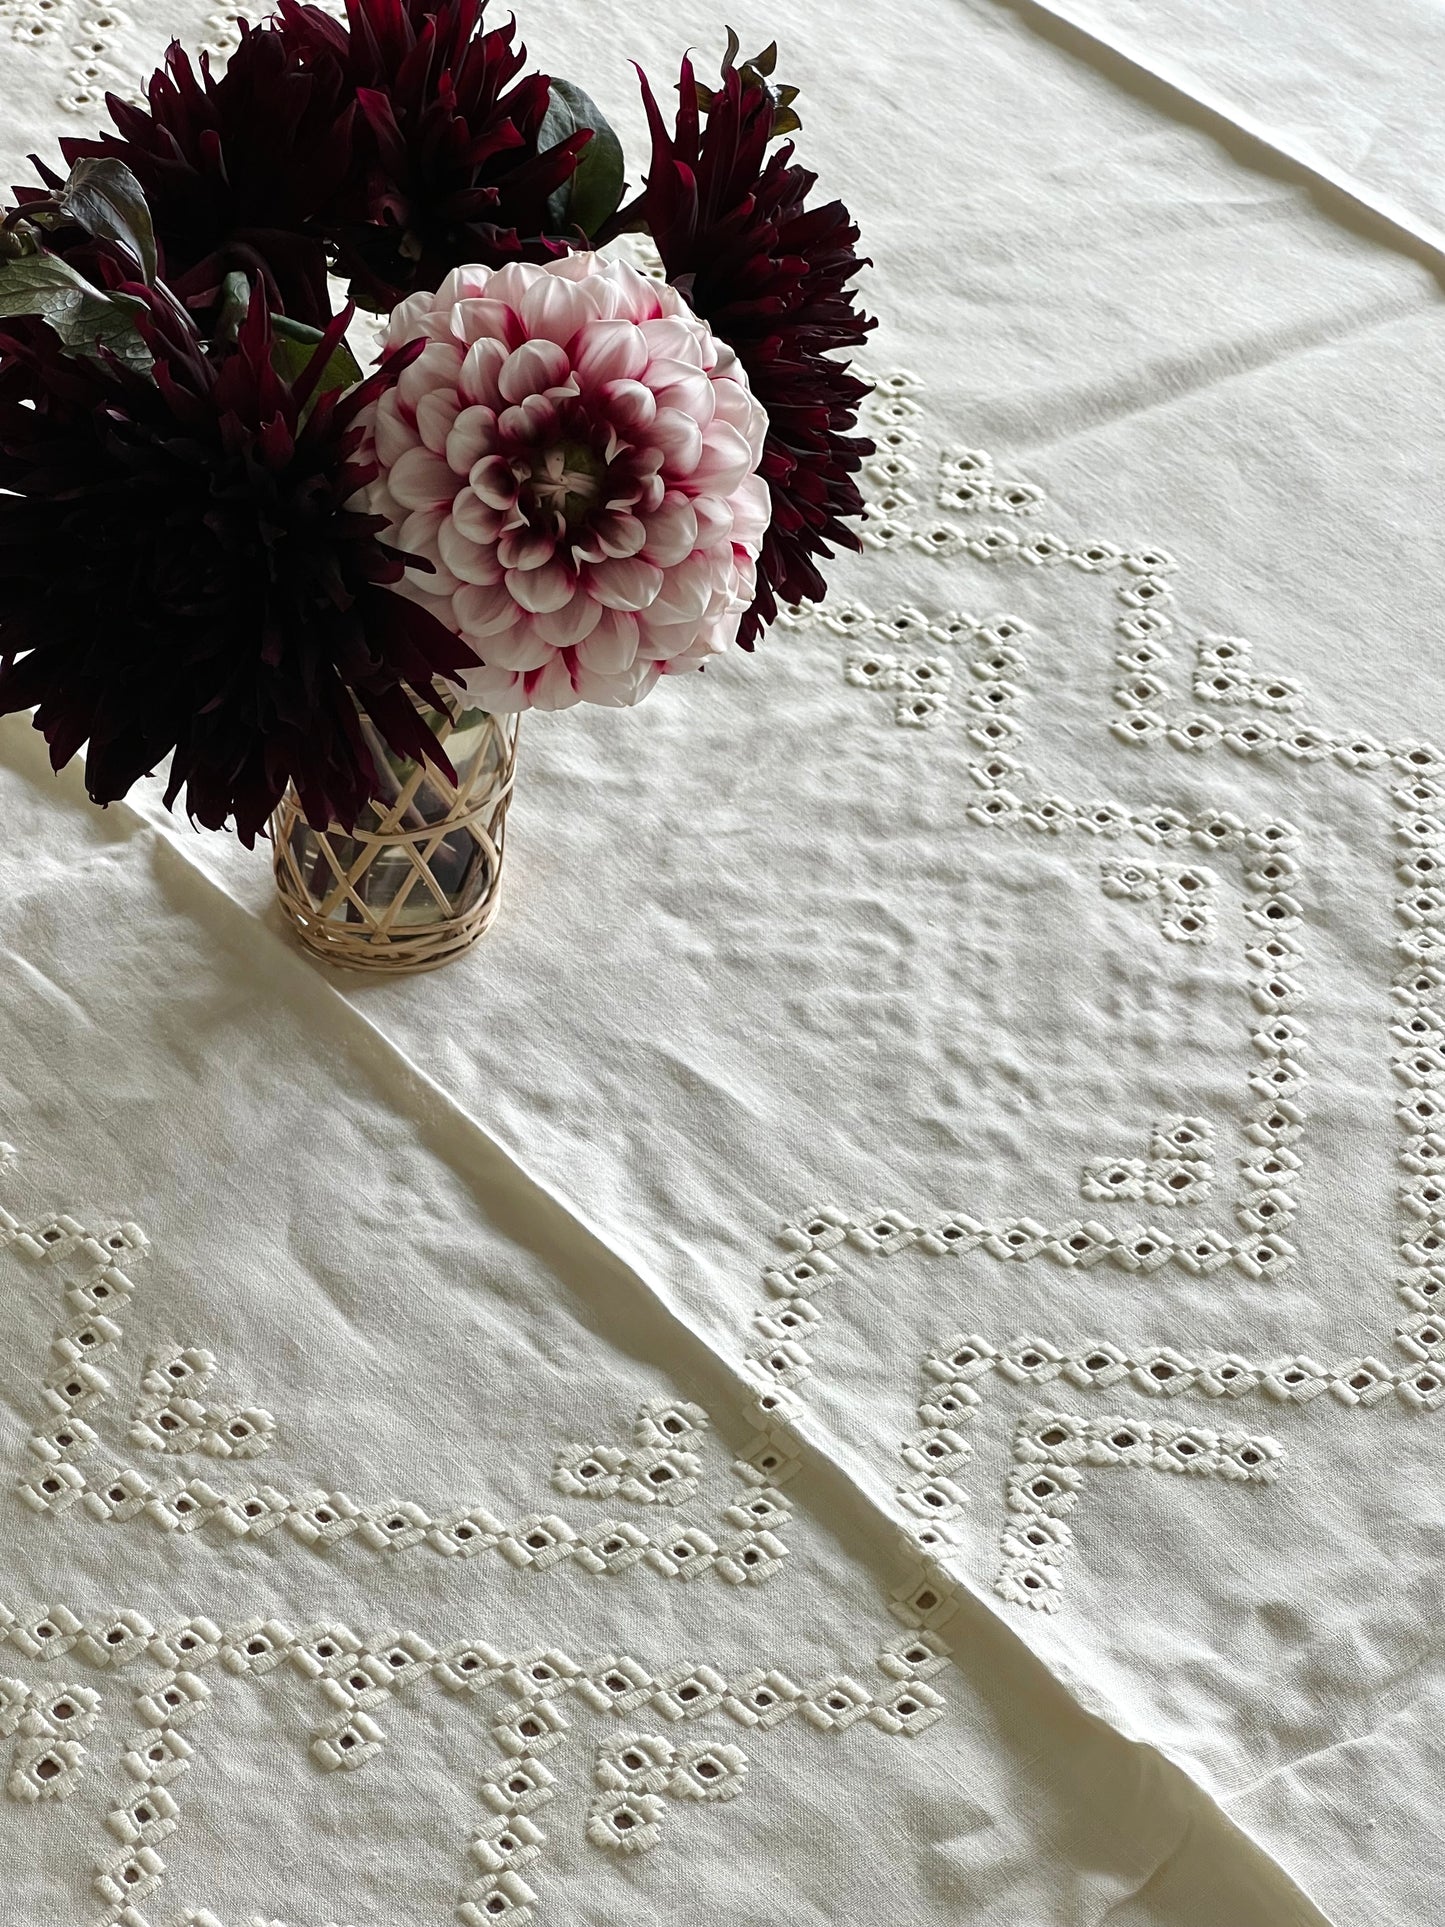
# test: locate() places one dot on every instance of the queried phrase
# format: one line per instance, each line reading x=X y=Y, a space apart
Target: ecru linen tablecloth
x=877 y=1352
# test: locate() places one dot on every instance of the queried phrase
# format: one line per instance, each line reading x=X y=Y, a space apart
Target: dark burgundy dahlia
x=447 y=169
x=770 y=275
x=180 y=574
x=235 y=169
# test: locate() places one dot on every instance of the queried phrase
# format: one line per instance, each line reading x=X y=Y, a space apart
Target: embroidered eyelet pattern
x=1083 y=1244
x=526 y=1699
x=931 y=663
x=1273 y=917
x=1247 y=711
x=1185 y=896
x=967 y=482
x=170 y=1416
x=1277 y=1084
x=88 y=32
x=1222 y=675
x=961 y=1372
x=1418 y=1037
x=931 y=1497
x=1051 y=1450
x=47 y=1725
x=659 y=1469
x=632 y=1776
x=1178 y=1170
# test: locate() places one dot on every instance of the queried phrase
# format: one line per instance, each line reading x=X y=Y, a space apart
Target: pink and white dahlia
x=576 y=454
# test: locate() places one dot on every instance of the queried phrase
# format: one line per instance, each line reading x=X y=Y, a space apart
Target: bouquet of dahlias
x=564 y=478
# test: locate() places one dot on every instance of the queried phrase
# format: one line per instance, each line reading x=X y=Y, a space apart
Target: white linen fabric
x=1042 y=1525
x=1345 y=91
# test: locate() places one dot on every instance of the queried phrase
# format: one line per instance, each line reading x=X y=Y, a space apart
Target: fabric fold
x=845 y=1490
x=1167 y=83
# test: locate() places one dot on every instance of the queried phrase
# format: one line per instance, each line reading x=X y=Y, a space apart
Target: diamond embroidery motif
x=941 y=673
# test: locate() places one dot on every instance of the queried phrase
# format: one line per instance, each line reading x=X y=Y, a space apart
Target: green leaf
x=594 y=192
x=86 y=319
x=293 y=343
x=17 y=237
x=107 y=200
x=234 y=305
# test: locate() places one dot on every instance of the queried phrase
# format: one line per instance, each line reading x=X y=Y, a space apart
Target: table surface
x=873 y=1353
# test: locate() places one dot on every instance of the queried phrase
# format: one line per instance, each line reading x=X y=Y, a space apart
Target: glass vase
x=416 y=882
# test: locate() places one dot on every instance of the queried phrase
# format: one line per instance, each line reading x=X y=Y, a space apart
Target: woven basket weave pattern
x=418 y=880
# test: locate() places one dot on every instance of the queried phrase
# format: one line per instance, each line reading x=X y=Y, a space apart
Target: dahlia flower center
x=567 y=479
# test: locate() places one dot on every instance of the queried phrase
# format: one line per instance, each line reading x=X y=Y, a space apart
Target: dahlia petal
x=502 y=691
x=679 y=440
x=629 y=406
x=651 y=490
x=582 y=266
x=479 y=371
x=525 y=548
x=663 y=370
x=545 y=588
x=683 y=641
x=417 y=316
x=437 y=366
x=421 y=480
x=377 y=499
x=393 y=432
x=732 y=402
x=640 y=297
x=612 y=645
x=553 y=687
x=517 y=647
x=432 y=592
x=418 y=533
x=683 y=665
x=554 y=309
x=686 y=592
x=726 y=365
x=483 y=610
x=671 y=531
x=714 y=519
x=435 y=414
x=692 y=393
x=477 y=520
x=531 y=421
x=481 y=320
x=532 y=369
x=672 y=339
x=564 y=628
x=469 y=561
x=602 y=282
x=752 y=511
x=465 y=283
x=628 y=583
x=471 y=437
x=511 y=281
x=725 y=462
x=609 y=351
x=616 y=692
x=613 y=533
x=495 y=480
